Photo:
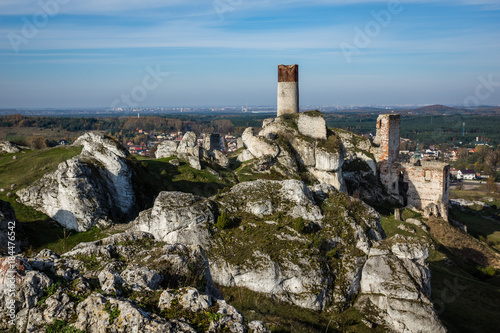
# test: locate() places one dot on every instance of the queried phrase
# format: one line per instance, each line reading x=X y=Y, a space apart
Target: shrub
x=299 y=226
x=60 y=326
x=223 y=221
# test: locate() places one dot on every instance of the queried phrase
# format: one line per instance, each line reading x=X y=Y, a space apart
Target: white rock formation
x=9 y=147
x=257 y=146
x=266 y=197
x=102 y=311
x=178 y=217
x=245 y=156
x=167 y=148
x=328 y=161
x=395 y=288
x=88 y=189
x=312 y=124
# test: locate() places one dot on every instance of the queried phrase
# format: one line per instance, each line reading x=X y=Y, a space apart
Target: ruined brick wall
x=388 y=137
x=424 y=185
x=387 y=152
x=428 y=186
x=211 y=142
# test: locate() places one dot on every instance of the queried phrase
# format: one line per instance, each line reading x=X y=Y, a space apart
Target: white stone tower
x=288 y=89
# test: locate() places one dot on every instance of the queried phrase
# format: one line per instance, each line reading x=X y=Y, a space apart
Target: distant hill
x=439 y=109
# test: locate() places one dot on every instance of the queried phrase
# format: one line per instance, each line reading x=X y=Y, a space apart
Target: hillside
x=284 y=242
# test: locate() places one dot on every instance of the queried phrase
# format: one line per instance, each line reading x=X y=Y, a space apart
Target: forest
x=426 y=129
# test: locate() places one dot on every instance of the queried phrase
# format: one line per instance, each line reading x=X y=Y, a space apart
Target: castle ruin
x=288 y=89
x=424 y=185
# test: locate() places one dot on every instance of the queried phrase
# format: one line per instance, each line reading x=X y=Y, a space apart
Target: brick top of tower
x=288 y=73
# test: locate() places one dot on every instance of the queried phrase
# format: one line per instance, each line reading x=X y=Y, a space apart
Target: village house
x=466 y=174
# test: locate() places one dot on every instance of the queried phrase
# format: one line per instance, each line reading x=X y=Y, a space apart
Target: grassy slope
x=21 y=133
x=152 y=177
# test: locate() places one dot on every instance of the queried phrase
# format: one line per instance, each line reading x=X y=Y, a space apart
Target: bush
x=60 y=326
x=223 y=221
x=299 y=226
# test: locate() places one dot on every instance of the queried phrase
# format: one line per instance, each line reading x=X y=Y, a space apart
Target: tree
x=37 y=142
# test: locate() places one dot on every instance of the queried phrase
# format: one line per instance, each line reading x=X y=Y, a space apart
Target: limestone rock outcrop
x=188 y=150
x=313 y=125
x=84 y=305
x=89 y=189
x=295 y=142
x=178 y=217
x=395 y=287
x=282 y=231
x=9 y=147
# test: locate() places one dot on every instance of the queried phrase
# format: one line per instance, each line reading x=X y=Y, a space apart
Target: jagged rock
x=282 y=265
x=306 y=151
x=245 y=156
x=395 y=288
x=180 y=264
x=58 y=306
x=257 y=146
x=221 y=159
x=312 y=124
x=257 y=327
x=335 y=179
x=188 y=298
x=328 y=161
x=174 y=162
x=110 y=282
x=93 y=317
x=167 y=148
x=266 y=197
x=141 y=277
x=28 y=292
x=239 y=143
x=178 y=217
x=9 y=147
x=231 y=319
x=88 y=189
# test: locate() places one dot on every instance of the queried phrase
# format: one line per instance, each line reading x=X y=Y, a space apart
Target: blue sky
x=225 y=52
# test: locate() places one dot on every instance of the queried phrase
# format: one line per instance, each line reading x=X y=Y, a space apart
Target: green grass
x=477 y=195
x=32 y=165
x=49 y=235
x=159 y=175
x=485 y=229
x=284 y=317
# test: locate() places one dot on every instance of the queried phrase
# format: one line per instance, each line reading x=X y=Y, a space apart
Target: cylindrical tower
x=288 y=89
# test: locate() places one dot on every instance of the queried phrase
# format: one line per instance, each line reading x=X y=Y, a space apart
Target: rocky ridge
x=90 y=189
x=125 y=283
x=313 y=247
x=9 y=147
x=297 y=145
x=188 y=150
